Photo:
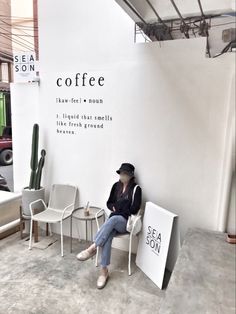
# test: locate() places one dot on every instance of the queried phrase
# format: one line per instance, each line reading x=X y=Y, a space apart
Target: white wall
x=168 y=104
x=24 y=102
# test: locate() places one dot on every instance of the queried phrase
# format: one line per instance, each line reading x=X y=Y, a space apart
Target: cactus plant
x=34 y=155
x=39 y=171
x=36 y=167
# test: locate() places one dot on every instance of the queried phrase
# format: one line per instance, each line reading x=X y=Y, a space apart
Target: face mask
x=124 y=178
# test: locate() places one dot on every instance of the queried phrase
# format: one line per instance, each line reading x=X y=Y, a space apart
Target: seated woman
x=121 y=204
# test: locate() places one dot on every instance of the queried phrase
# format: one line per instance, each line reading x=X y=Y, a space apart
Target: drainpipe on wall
x=228 y=163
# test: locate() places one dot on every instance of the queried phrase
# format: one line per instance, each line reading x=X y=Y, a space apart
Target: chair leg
x=61 y=240
x=21 y=229
x=47 y=229
x=35 y=229
x=71 y=234
x=50 y=229
x=130 y=250
x=31 y=231
x=21 y=223
x=96 y=260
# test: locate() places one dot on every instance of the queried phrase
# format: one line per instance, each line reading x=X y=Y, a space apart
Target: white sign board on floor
x=24 y=66
x=159 y=243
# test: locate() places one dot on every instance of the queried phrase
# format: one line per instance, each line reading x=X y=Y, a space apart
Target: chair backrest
x=61 y=196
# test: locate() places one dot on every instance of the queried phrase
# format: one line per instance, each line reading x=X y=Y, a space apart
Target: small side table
x=78 y=214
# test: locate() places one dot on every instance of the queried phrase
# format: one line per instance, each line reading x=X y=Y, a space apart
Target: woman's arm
x=137 y=201
x=112 y=198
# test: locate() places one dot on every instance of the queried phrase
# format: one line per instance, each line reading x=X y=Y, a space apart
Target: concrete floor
x=203 y=281
x=41 y=281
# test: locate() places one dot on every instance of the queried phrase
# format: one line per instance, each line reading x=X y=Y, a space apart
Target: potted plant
x=34 y=191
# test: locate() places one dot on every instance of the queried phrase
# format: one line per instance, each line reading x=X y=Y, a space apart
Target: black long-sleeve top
x=122 y=202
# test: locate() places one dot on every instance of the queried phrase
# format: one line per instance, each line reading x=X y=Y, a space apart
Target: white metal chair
x=128 y=235
x=61 y=205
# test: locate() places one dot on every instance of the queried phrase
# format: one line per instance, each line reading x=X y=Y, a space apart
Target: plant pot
x=29 y=196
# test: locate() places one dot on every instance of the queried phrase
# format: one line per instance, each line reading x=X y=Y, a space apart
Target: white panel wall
x=169 y=108
x=24 y=103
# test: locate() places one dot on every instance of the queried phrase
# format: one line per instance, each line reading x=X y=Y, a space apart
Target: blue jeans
x=115 y=224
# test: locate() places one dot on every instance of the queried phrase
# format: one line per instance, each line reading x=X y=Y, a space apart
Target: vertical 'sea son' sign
x=24 y=67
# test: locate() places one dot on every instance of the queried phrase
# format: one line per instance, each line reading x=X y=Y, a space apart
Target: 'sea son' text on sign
x=24 y=63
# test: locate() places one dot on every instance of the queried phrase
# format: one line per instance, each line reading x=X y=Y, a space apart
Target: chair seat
x=122 y=235
x=50 y=215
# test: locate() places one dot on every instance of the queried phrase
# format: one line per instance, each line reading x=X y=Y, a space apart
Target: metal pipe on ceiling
x=155 y=12
x=200 y=6
x=178 y=12
x=204 y=28
x=134 y=11
x=185 y=27
x=165 y=29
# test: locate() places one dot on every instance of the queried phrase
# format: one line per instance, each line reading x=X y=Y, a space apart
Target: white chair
x=61 y=205
x=128 y=235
